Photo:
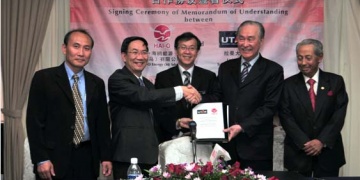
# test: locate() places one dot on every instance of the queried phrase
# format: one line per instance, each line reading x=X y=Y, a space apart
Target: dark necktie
x=312 y=93
x=187 y=82
x=150 y=110
x=245 y=71
x=141 y=82
x=79 y=117
x=187 y=78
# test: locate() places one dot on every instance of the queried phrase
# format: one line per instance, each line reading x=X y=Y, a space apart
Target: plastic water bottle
x=134 y=169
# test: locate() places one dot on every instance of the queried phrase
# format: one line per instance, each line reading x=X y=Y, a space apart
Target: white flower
x=188 y=176
x=249 y=171
x=155 y=169
x=260 y=177
x=189 y=167
x=166 y=175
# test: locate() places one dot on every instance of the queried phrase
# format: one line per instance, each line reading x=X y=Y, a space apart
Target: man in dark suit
x=52 y=116
x=172 y=118
x=312 y=115
x=251 y=86
x=132 y=99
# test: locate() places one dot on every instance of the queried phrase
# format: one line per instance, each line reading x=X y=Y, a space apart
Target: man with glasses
x=132 y=99
x=172 y=118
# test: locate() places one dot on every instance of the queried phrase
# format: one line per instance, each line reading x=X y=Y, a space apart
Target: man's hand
x=233 y=131
x=46 y=170
x=183 y=123
x=313 y=147
x=191 y=94
x=106 y=168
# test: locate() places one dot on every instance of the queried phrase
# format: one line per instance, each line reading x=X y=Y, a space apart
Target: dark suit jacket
x=252 y=104
x=51 y=119
x=203 y=80
x=301 y=124
x=133 y=133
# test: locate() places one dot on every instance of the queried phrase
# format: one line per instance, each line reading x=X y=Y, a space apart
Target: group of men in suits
x=142 y=115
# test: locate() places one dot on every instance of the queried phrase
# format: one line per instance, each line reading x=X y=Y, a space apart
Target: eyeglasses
x=136 y=53
x=191 y=49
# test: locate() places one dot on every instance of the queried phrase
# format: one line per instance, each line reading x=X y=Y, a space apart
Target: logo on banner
x=227 y=39
x=162 y=33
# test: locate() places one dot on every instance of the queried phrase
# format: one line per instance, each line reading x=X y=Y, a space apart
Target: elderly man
x=312 y=113
x=251 y=85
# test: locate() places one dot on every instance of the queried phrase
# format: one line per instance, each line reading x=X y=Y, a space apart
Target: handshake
x=191 y=94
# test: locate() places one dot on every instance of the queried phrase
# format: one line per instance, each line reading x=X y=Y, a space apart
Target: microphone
x=192 y=126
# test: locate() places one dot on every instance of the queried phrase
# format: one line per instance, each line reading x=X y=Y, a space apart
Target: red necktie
x=312 y=93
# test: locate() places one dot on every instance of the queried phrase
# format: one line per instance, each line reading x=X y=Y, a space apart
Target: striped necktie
x=245 y=71
x=79 y=117
x=141 y=82
x=187 y=78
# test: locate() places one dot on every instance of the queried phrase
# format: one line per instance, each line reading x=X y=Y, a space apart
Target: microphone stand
x=192 y=126
x=193 y=141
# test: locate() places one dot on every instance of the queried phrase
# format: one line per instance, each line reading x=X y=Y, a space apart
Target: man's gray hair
x=318 y=47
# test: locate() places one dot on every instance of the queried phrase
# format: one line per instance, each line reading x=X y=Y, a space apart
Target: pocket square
x=330 y=93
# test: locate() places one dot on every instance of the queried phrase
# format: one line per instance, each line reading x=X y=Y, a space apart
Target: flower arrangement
x=201 y=171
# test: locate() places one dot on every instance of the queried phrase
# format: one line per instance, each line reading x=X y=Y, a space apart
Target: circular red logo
x=213 y=110
x=162 y=33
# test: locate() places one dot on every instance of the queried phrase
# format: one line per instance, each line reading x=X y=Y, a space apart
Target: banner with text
x=286 y=23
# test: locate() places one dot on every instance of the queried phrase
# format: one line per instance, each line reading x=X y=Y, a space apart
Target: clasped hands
x=191 y=94
x=313 y=147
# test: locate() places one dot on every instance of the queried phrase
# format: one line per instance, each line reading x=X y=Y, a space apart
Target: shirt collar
x=315 y=77
x=70 y=73
x=252 y=62
x=190 y=70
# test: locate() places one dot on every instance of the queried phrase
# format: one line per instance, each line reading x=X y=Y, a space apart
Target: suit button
x=72 y=127
x=236 y=108
x=314 y=127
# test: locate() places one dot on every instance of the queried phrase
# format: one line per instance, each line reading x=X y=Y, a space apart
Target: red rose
x=273 y=178
x=206 y=169
x=170 y=168
x=330 y=93
x=179 y=169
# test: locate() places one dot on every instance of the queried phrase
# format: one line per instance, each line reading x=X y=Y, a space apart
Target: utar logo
x=162 y=33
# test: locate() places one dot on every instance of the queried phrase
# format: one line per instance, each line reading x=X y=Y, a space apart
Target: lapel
x=131 y=75
x=62 y=80
x=176 y=76
x=90 y=86
x=234 y=70
x=196 y=78
x=255 y=71
x=323 y=88
x=303 y=93
x=148 y=83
